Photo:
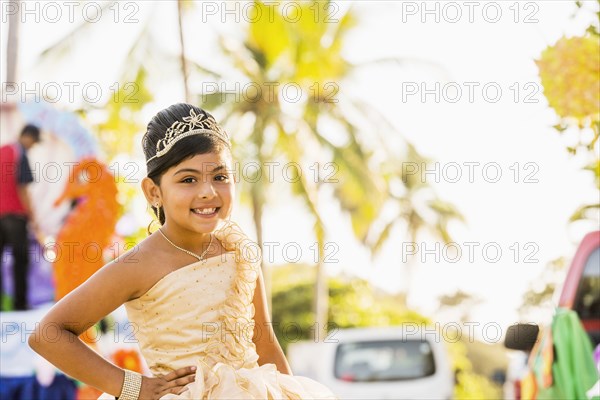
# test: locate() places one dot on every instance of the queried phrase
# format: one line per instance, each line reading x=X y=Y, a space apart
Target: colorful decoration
x=128 y=359
x=63 y=124
x=573 y=369
x=79 y=248
x=39 y=277
x=528 y=387
x=89 y=227
x=547 y=360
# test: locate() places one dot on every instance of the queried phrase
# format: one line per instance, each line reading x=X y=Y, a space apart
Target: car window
x=384 y=360
x=587 y=299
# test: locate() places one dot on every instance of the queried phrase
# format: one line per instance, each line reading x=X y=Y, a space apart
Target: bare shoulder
x=139 y=267
x=112 y=285
x=144 y=265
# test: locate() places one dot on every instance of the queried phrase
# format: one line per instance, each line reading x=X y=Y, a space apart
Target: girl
x=193 y=288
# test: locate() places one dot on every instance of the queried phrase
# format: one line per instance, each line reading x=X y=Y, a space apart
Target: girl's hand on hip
x=173 y=382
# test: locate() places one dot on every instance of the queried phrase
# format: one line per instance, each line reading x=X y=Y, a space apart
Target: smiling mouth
x=206 y=211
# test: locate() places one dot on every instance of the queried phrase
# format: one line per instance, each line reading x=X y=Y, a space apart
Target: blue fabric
x=28 y=388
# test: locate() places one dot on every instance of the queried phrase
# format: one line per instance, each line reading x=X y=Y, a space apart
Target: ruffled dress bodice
x=202 y=315
x=193 y=305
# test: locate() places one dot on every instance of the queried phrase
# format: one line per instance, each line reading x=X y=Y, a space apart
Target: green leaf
x=383 y=237
x=584 y=212
x=269 y=35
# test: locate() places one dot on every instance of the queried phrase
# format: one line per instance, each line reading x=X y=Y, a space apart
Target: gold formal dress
x=202 y=314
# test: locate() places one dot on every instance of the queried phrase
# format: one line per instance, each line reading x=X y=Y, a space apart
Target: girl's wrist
x=132 y=386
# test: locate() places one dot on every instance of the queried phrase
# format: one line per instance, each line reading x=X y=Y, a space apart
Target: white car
x=377 y=363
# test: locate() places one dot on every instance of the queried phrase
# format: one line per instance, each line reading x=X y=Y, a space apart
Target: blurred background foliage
x=570 y=74
x=353 y=303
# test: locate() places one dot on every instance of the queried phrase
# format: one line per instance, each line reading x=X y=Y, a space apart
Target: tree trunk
x=409 y=268
x=12 y=49
x=8 y=109
x=411 y=264
x=321 y=302
x=321 y=287
x=183 y=61
x=257 y=211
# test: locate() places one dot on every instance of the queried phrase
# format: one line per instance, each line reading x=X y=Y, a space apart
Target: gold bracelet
x=132 y=385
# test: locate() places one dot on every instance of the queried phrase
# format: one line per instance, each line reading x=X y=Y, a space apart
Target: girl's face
x=196 y=193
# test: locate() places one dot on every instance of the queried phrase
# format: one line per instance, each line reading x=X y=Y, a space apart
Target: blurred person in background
x=15 y=210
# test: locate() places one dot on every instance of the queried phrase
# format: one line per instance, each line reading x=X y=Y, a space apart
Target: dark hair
x=31 y=130
x=182 y=150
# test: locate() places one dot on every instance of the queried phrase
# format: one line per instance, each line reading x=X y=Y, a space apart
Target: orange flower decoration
x=128 y=359
x=89 y=227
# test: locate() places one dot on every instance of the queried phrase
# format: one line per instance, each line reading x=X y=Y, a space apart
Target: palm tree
x=432 y=215
x=307 y=54
x=184 y=71
x=296 y=54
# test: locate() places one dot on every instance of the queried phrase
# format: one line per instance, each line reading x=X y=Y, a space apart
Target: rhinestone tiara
x=195 y=124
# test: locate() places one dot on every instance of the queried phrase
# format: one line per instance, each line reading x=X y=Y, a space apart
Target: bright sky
x=473 y=52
